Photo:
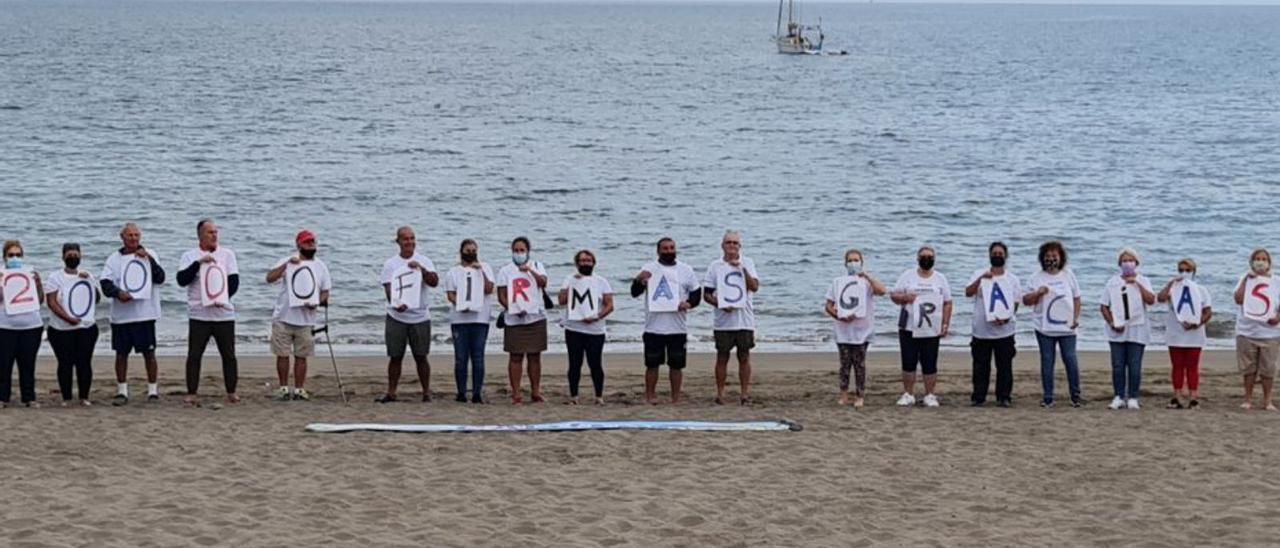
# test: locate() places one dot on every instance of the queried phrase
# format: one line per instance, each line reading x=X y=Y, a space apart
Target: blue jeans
x=1067 y=344
x=1126 y=368
x=468 y=344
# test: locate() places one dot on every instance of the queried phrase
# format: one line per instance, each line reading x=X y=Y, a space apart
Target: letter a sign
x=1186 y=301
x=661 y=296
x=995 y=299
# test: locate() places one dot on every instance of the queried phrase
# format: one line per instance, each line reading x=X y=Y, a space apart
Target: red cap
x=305 y=236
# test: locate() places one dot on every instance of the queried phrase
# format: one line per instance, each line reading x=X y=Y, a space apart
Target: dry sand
x=248 y=475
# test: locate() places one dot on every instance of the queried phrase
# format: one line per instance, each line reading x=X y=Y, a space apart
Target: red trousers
x=1186 y=367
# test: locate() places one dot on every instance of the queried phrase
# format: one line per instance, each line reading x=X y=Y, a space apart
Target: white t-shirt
x=1254 y=329
x=510 y=272
x=860 y=330
x=136 y=310
x=28 y=320
x=299 y=316
x=1062 y=283
x=983 y=329
x=911 y=282
x=1175 y=334
x=456 y=277
x=670 y=323
x=54 y=283
x=599 y=288
x=227 y=259
x=738 y=318
x=1137 y=333
x=414 y=314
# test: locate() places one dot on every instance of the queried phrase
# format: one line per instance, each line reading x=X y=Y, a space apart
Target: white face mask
x=853 y=267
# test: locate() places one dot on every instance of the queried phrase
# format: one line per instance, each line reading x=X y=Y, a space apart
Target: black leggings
x=19 y=346
x=224 y=335
x=74 y=350
x=593 y=347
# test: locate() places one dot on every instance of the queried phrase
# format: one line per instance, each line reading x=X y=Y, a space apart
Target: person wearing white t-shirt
x=133 y=316
x=72 y=332
x=1185 y=339
x=1258 y=337
x=215 y=321
x=1129 y=341
x=666 y=334
x=992 y=337
x=921 y=350
x=291 y=326
x=1054 y=297
x=522 y=286
x=585 y=337
x=732 y=279
x=470 y=328
x=853 y=334
x=408 y=324
x=20 y=333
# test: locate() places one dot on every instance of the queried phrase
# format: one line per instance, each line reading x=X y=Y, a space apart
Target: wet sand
x=164 y=475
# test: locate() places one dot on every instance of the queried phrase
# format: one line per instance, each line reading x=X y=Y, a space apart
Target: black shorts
x=668 y=349
x=137 y=337
x=918 y=351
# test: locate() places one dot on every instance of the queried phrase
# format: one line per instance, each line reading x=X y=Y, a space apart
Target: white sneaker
x=907 y=400
x=1133 y=403
x=931 y=400
x=1117 y=403
x=284 y=393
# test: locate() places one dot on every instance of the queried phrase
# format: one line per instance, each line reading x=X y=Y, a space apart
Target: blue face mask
x=519 y=258
x=853 y=267
x=13 y=263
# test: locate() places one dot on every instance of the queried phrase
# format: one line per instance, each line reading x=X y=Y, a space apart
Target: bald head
x=407 y=240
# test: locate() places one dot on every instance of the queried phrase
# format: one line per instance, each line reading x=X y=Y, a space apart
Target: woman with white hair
x=1124 y=307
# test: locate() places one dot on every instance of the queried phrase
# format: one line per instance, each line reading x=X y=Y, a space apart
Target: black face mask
x=925 y=263
x=586 y=269
x=307 y=254
x=468 y=257
x=1049 y=264
x=71 y=262
x=997 y=261
x=667 y=258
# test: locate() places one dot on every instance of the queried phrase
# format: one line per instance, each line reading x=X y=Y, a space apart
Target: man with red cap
x=304 y=286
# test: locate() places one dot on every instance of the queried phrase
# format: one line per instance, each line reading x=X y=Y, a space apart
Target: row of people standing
x=1055 y=299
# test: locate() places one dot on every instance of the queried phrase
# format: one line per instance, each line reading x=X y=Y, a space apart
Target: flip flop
x=385 y=398
x=1194 y=404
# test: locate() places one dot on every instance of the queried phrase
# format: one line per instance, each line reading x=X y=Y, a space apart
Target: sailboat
x=798 y=39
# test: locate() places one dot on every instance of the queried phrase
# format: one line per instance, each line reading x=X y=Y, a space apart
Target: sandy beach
x=165 y=475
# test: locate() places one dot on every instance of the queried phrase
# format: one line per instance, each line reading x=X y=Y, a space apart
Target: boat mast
x=777 y=33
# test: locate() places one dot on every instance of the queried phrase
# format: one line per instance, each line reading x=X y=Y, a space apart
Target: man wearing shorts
x=133 y=317
x=666 y=333
x=729 y=284
x=408 y=324
x=291 y=326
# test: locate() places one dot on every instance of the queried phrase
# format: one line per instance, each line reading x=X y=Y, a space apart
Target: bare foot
x=232 y=398
x=1246 y=406
x=191 y=400
x=1271 y=407
x=599 y=401
x=745 y=400
x=571 y=401
x=651 y=400
x=844 y=398
x=857 y=403
x=537 y=398
x=85 y=403
x=719 y=400
x=517 y=399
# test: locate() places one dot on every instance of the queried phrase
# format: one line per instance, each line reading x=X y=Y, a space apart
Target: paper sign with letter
x=663 y=293
x=1259 y=299
x=926 y=316
x=304 y=288
x=996 y=299
x=731 y=290
x=522 y=294
x=1127 y=307
x=1058 y=313
x=79 y=299
x=19 y=292
x=214 y=287
x=1187 y=305
x=583 y=302
x=469 y=293
x=135 y=279
x=851 y=297
x=406 y=288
